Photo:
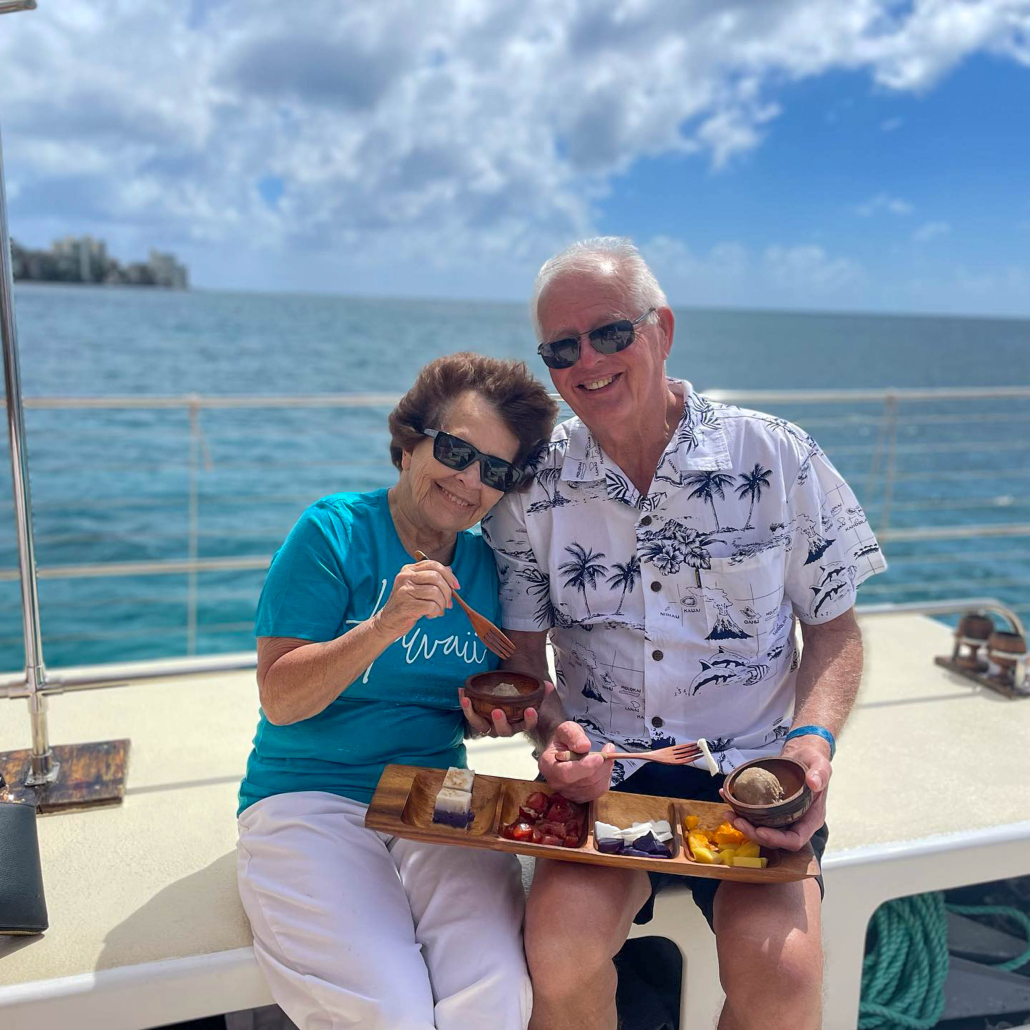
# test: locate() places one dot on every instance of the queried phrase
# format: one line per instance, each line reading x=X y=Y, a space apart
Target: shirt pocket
x=742 y=598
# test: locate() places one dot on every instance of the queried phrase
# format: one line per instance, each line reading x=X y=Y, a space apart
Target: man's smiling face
x=607 y=391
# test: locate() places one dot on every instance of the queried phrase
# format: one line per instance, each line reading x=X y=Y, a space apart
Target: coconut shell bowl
x=481 y=690
x=796 y=800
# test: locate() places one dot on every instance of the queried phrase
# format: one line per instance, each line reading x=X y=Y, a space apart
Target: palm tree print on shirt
x=550 y=480
x=540 y=587
x=753 y=483
x=626 y=577
x=583 y=570
x=708 y=484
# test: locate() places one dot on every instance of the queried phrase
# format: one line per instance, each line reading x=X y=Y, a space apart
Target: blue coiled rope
x=907 y=963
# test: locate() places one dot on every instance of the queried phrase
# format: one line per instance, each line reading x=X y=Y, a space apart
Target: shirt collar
x=698 y=445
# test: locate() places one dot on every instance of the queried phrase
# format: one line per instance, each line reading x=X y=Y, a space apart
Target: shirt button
x=657 y=722
x=646 y=520
x=655 y=585
x=657 y=655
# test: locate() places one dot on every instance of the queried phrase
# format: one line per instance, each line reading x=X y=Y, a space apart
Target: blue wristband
x=815 y=731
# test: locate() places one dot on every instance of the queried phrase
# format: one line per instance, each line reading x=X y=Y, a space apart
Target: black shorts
x=686 y=781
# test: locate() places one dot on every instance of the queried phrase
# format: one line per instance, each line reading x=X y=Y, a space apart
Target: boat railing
x=123 y=674
x=943 y=474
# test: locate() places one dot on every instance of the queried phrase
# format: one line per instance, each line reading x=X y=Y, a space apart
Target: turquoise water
x=114 y=485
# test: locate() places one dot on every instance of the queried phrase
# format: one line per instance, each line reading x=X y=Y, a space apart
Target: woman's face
x=451 y=501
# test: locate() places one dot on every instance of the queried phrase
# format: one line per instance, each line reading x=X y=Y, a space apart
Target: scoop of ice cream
x=757 y=786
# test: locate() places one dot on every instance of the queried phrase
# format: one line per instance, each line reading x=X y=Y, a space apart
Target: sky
x=815 y=154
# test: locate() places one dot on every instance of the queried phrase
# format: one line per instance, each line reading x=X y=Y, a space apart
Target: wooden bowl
x=797 y=796
x=479 y=689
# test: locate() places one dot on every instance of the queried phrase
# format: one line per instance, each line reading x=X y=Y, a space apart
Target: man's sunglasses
x=607 y=339
x=458 y=454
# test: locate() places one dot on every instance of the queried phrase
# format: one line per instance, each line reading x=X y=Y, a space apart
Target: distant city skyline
x=863 y=155
x=84 y=259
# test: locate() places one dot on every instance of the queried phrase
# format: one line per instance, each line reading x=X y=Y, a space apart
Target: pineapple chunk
x=726 y=855
x=750 y=863
x=705 y=855
x=690 y=823
x=749 y=849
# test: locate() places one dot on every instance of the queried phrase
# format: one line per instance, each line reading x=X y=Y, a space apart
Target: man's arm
x=827 y=683
x=829 y=677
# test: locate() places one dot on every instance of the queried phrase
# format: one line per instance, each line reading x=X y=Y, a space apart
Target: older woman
x=360 y=655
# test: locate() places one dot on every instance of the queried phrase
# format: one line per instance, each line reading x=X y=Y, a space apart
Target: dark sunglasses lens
x=452 y=452
x=560 y=353
x=610 y=339
x=498 y=474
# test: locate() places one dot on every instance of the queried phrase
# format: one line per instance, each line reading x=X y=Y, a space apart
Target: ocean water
x=113 y=485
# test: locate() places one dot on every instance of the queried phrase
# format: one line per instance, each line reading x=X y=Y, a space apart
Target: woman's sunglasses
x=607 y=339
x=458 y=454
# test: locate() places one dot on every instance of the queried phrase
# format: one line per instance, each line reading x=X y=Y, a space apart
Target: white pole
x=42 y=767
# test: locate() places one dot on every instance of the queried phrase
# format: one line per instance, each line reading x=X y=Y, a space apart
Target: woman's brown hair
x=521 y=400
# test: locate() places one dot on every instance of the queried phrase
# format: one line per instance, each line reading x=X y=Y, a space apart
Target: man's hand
x=813 y=753
x=497 y=725
x=580 y=780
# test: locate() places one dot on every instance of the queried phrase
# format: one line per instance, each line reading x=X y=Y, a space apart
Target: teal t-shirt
x=335 y=569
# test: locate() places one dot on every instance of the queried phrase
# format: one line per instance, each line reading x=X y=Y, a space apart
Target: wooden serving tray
x=404 y=799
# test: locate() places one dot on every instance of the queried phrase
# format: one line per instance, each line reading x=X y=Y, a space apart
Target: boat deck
x=925 y=754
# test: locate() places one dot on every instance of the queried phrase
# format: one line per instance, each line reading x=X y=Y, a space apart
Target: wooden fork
x=487 y=632
x=678 y=754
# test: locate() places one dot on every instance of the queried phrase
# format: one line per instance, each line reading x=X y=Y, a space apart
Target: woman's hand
x=497 y=725
x=419 y=591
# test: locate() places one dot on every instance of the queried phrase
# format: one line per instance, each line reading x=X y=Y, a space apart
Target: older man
x=668 y=546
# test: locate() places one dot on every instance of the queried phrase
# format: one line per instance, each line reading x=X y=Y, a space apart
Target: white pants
x=354 y=928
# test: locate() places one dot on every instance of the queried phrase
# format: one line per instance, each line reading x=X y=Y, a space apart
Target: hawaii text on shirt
x=672 y=614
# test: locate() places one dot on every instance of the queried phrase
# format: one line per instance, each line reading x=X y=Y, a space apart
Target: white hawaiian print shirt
x=672 y=615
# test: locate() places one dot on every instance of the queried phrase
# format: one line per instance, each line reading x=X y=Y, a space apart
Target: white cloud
x=799 y=275
x=890 y=124
x=884 y=202
x=930 y=231
x=807 y=269
x=446 y=135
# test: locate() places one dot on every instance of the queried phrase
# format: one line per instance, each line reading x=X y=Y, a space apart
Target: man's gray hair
x=609 y=255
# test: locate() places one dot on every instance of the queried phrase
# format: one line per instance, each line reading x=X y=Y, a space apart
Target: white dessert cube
x=459 y=779
x=453 y=808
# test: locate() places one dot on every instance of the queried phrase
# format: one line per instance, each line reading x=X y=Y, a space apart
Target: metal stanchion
x=77 y=774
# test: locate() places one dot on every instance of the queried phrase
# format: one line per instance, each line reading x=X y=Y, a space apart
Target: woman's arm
x=298 y=678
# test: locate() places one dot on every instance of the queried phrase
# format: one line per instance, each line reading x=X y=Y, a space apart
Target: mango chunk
x=750 y=863
x=727 y=834
x=705 y=855
x=690 y=823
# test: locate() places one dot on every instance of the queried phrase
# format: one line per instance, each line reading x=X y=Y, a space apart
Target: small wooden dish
x=797 y=799
x=479 y=689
